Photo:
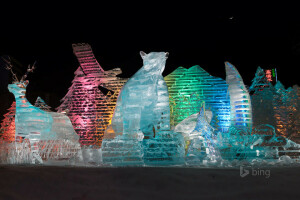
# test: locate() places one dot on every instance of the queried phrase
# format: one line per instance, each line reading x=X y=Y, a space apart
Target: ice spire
x=240 y=103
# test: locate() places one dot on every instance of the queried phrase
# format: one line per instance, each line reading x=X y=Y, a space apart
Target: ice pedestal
x=122 y=151
x=166 y=149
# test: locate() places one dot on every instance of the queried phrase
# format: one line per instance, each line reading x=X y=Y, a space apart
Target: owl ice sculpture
x=35 y=125
x=140 y=129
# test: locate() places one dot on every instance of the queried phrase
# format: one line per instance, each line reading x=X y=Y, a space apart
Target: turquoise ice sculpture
x=37 y=125
x=200 y=138
x=236 y=143
x=140 y=129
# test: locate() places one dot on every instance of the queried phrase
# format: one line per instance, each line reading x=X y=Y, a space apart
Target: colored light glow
x=190 y=88
x=8 y=124
x=89 y=109
x=269 y=75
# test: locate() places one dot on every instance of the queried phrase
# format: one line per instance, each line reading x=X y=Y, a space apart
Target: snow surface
x=44 y=182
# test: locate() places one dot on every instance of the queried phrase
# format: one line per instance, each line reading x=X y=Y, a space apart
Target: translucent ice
x=201 y=143
x=240 y=103
x=90 y=109
x=189 y=88
x=140 y=128
x=36 y=125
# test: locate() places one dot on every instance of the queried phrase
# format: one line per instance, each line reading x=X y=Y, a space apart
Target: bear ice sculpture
x=141 y=120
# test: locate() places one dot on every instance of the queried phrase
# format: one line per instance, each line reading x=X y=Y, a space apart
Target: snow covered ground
x=46 y=182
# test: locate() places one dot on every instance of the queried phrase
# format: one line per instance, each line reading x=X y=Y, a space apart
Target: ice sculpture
x=200 y=139
x=188 y=125
x=286 y=108
x=35 y=125
x=262 y=99
x=140 y=129
x=281 y=105
x=204 y=139
x=188 y=88
x=240 y=103
x=15 y=152
x=272 y=148
x=90 y=109
x=8 y=124
x=40 y=103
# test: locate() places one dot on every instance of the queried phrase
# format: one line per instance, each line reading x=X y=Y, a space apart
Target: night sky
x=248 y=36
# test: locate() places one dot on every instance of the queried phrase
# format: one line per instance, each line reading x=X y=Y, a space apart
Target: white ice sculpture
x=187 y=126
x=141 y=120
x=240 y=103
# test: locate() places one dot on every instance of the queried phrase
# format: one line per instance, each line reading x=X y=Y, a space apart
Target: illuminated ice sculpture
x=89 y=108
x=140 y=129
x=189 y=88
x=200 y=138
x=35 y=125
x=7 y=128
x=240 y=103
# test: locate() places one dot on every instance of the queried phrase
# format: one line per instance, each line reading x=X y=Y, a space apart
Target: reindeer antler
x=29 y=69
x=8 y=66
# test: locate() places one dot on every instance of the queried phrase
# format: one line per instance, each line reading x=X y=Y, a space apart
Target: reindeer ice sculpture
x=35 y=124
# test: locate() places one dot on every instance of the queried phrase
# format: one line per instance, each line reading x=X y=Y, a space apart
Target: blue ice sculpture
x=200 y=138
x=140 y=129
x=36 y=126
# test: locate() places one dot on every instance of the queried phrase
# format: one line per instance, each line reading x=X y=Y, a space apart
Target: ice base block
x=166 y=149
x=122 y=152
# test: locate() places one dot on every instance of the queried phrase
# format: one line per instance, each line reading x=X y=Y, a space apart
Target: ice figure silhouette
x=35 y=125
x=141 y=120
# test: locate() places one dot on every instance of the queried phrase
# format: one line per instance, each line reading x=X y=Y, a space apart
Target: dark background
x=205 y=34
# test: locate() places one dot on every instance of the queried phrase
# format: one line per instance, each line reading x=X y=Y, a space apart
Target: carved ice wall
x=89 y=109
x=189 y=88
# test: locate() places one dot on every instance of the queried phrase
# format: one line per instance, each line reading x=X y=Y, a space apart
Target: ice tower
x=240 y=103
